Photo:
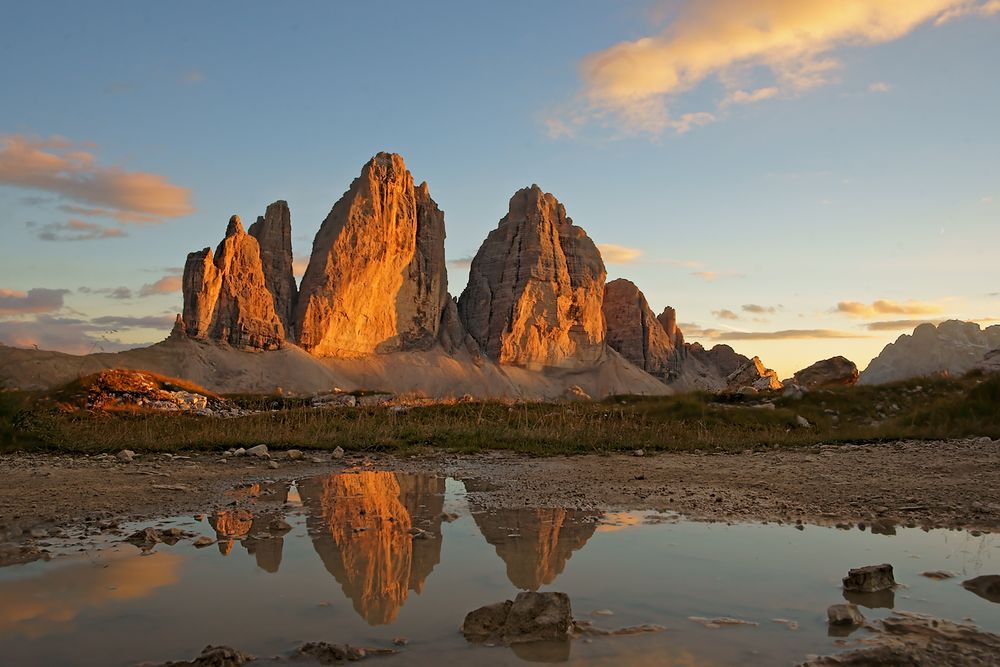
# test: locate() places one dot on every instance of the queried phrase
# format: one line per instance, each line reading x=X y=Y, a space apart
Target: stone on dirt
x=126 y=455
x=260 y=451
x=530 y=617
x=870 y=579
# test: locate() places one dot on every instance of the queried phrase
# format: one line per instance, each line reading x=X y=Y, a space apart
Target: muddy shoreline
x=939 y=484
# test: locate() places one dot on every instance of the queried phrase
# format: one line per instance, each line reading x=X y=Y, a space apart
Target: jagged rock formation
x=535 y=288
x=835 y=371
x=668 y=320
x=378 y=533
x=633 y=331
x=273 y=232
x=376 y=278
x=990 y=362
x=226 y=296
x=952 y=348
x=754 y=375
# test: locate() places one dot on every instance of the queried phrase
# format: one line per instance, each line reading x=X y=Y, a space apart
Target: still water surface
x=346 y=569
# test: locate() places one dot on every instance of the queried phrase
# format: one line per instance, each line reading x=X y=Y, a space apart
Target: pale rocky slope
x=952 y=347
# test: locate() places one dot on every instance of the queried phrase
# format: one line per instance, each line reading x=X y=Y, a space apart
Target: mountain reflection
x=360 y=523
x=534 y=544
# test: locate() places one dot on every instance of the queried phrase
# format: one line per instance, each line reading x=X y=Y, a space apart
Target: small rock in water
x=214 y=656
x=986 y=587
x=328 y=654
x=400 y=641
x=602 y=612
x=720 y=621
x=529 y=617
x=338 y=453
x=844 y=614
x=938 y=574
x=203 y=541
x=260 y=451
x=870 y=579
x=126 y=455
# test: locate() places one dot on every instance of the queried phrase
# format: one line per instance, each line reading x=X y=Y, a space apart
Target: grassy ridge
x=925 y=408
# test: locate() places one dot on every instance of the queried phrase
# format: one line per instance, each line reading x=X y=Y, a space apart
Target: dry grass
x=915 y=409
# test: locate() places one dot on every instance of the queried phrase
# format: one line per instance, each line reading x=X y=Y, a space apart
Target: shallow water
x=349 y=571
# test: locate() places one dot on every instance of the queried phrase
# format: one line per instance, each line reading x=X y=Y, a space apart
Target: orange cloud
x=693 y=330
x=299 y=265
x=636 y=82
x=165 y=285
x=725 y=314
x=887 y=307
x=59 y=166
x=618 y=254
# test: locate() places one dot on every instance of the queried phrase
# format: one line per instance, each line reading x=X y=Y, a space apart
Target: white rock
x=240 y=452
x=802 y=421
x=260 y=451
x=294 y=454
x=126 y=455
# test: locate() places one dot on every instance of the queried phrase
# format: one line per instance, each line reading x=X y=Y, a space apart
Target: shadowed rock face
x=273 y=232
x=828 y=372
x=226 y=296
x=360 y=525
x=535 y=288
x=376 y=278
x=951 y=348
x=633 y=330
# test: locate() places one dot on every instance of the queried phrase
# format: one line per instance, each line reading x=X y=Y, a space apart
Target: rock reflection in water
x=534 y=544
x=360 y=523
x=261 y=535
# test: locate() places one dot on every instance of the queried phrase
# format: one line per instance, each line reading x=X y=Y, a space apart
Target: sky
x=798 y=178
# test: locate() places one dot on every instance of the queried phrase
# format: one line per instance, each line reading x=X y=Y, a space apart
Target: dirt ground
x=943 y=484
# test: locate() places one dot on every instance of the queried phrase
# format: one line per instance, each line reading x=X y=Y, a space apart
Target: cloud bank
x=887 y=307
x=636 y=84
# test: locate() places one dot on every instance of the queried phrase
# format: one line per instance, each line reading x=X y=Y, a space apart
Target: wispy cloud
x=886 y=307
x=725 y=314
x=77 y=336
x=757 y=309
x=110 y=292
x=35 y=300
x=898 y=325
x=193 y=77
x=635 y=85
x=715 y=275
x=71 y=170
x=299 y=265
x=693 y=331
x=75 y=230
x=879 y=87
x=618 y=254
x=165 y=285
x=461 y=262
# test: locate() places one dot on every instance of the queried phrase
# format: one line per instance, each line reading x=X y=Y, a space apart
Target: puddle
x=364 y=557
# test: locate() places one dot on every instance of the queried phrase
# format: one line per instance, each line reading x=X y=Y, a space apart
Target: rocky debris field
x=940 y=484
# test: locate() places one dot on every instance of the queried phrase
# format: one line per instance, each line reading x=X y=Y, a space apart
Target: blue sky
x=857 y=165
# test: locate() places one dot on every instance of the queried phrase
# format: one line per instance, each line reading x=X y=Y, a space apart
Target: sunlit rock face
x=376 y=278
x=534 y=544
x=632 y=329
x=951 y=348
x=273 y=232
x=226 y=296
x=361 y=522
x=535 y=288
x=753 y=374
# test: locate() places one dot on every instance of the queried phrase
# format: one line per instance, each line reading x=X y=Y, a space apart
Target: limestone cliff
x=632 y=329
x=535 y=288
x=273 y=232
x=226 y=296
x=376 y=276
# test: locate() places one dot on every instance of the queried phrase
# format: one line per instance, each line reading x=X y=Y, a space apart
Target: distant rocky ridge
x=950 y=348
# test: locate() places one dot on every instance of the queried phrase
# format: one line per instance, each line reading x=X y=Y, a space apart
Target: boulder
x=535 y=288
x=844 y=614
x=376 y=278
x=530 y=617
x=950 y=348
x=753 y=374
x=226 y=296
x=273 y=232
x=832 y=372
x=986 y=587
x=632 y=329
x=870 y=579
